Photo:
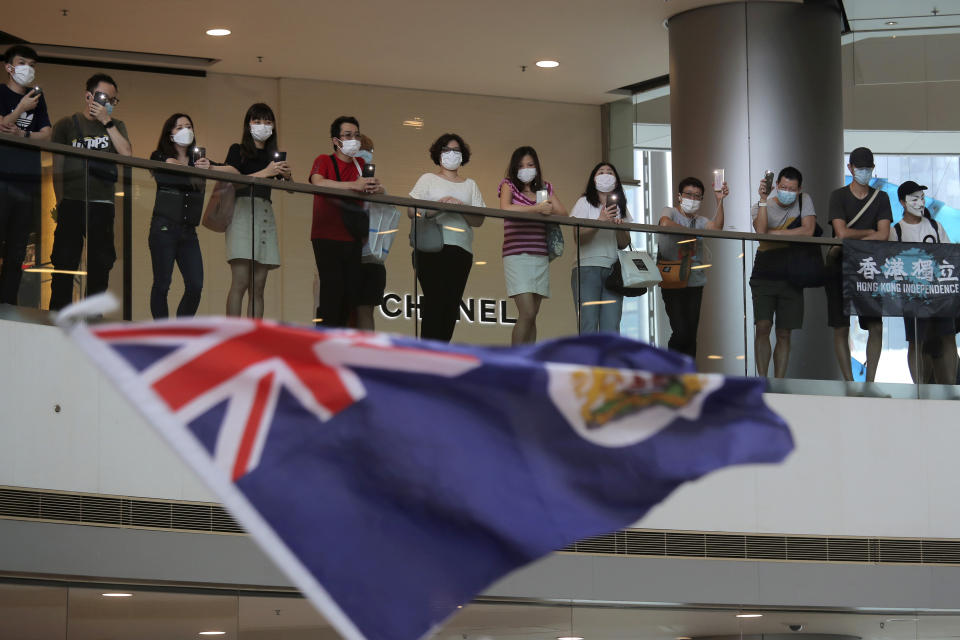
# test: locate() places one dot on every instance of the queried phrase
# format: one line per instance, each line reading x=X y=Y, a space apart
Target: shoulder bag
x=355 y=218
x=633 y=273
x=219 y=212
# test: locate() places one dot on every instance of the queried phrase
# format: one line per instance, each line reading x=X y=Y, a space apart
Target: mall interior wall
x=566 y=136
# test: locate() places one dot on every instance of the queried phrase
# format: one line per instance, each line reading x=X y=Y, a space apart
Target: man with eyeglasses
x=340 y=226
x=85 y=199
x=937 y=360
x=682 y=304
x=788 y=213
x=860 y=213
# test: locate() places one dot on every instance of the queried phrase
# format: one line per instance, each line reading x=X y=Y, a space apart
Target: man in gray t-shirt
x=683 y=304
x=789 y=213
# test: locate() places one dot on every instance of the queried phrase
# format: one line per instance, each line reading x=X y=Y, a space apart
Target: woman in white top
x=604 y=200
x=443 y=274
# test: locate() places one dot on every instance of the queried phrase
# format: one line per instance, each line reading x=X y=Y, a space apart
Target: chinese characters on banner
x=915 y=280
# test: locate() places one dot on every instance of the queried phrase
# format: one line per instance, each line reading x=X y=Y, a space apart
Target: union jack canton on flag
x=393 y=479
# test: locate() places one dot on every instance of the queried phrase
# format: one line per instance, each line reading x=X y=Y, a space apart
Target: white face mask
x=605 y=182
x=451 y=160
x=183 y=137
x=23 y=74
x=350 y=148
x=261 y=132
x=914 y=204
x=862 y=176
x=689 y=205
x=527 y=174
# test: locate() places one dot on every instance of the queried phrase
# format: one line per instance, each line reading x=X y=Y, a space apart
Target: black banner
x=912 y=279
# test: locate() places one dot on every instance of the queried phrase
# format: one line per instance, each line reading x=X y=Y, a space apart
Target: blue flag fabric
x=394 y=479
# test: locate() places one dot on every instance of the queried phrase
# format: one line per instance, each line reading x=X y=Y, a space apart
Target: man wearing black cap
x=937 y=336
x=859 y=213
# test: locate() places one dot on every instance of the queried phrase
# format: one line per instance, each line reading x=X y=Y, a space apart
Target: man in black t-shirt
x=23 y=113
x=85 y=192
x=859 y=213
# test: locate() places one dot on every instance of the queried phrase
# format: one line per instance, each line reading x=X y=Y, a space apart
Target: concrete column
x=755 y=86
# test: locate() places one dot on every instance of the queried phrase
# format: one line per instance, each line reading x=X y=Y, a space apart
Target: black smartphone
x=369 y=169
x=199 y=152
x=37 y=91
x=612 y=202
x=101 y=98
x=280 y=156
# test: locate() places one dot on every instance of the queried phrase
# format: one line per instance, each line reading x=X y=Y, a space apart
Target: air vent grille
x=114 y=511
x=119 y=511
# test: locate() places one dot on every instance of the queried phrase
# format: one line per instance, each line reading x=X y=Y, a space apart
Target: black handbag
x=614 y=283
x=804 y=262
x=354 y=214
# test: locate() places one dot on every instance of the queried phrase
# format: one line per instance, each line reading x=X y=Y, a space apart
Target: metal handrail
x=399 y=201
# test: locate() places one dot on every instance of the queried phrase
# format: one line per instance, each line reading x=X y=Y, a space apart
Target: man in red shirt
x=337 y=246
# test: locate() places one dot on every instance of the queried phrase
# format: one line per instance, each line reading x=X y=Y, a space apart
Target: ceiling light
x=212 y=633
x=749 y=615
x=683 y=638
x=116 y=595
x=713 y=357
x=218 y=32
x=890 y=23
x=480 y=262
x=569 y=637
x=547 y=64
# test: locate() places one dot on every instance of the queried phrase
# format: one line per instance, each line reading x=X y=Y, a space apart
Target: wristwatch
x=109 y=124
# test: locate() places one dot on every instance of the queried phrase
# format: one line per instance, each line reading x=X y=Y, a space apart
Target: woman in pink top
x=526 y=263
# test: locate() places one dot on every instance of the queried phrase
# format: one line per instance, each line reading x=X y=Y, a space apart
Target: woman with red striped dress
x=526 y=262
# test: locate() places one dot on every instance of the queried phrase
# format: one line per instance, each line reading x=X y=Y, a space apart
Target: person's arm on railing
x=506 y=203
x=476 y=200
x=806 y=228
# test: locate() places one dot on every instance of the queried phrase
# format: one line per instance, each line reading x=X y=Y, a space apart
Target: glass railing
x=101 y=222
x=64 y=610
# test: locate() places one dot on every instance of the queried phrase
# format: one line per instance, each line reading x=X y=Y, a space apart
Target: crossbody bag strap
x=876 y=192
x=336 y=169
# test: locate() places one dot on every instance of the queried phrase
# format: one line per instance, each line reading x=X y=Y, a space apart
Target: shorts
x=927 y=328
x=373 y=282
x=837 y=315
x=777 y=298
x=527 y=273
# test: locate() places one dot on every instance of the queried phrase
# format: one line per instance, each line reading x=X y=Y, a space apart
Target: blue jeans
x=175 y=242
x=588 y=286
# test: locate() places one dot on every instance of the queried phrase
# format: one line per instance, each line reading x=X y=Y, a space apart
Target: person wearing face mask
x=339 y=229
x=23 y=112
x=858 y=212
x=443 y=274
x=176 y=214
x=599 y=308
x=775 y=297
x=937 y=336
x=683 y=304
x=252 y=246
x=526 y=262
x=85 y=191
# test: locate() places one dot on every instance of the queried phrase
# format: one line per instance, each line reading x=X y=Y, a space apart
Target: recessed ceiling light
x=212 y=633
x=548 y=64
x=480 y=262
x=891 y=22
x=218 y=32
x=749 y=615
x=569 y=637
x=683 y=638
x=116 y=595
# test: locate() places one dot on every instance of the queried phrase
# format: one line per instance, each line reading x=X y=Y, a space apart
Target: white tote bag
x=638 y=269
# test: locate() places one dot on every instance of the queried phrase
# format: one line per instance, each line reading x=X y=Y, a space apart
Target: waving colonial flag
x=393 y=479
